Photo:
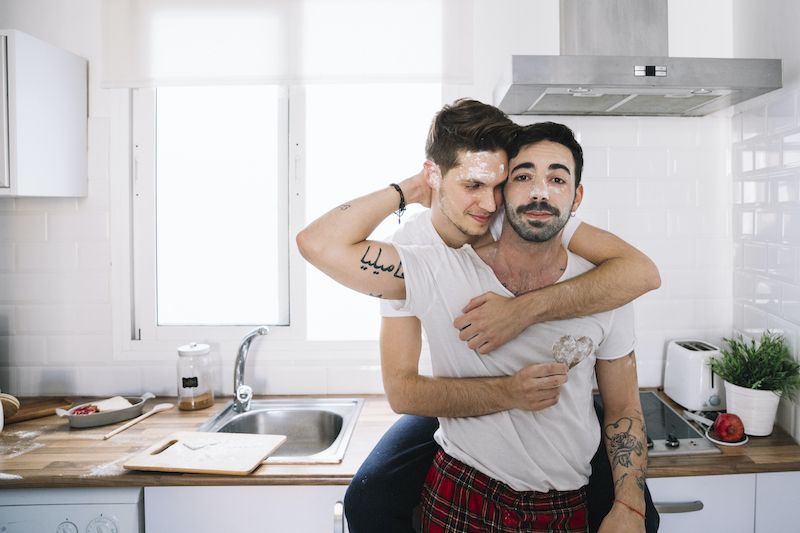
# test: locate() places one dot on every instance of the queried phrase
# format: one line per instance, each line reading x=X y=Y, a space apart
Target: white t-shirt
x=541 y=450
x=419 y=230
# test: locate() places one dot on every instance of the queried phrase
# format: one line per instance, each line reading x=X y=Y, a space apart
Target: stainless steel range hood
x=597 y=73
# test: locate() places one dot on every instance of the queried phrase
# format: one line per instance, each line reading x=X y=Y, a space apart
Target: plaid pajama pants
x=457 y=498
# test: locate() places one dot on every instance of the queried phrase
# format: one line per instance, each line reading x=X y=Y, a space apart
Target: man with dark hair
x=469 y=133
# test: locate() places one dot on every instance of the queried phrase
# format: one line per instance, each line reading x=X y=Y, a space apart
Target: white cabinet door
x=257 y=509
x=777 y=502
x=727 y=503
x=43 y=117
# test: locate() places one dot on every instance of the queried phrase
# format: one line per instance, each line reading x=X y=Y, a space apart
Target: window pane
x=359 y=138
x=220 y=209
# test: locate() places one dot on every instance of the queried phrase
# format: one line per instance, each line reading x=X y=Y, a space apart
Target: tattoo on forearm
x=626 y=448
x=639 y=479
x=376 y=266
x=344 y=207
x=623 y=444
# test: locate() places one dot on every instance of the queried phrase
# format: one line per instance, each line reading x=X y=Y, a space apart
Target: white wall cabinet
x=255 y=509
x=728 y=503
x=43 y=118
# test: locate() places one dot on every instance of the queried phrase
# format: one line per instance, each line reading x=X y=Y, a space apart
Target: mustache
x=539 y=206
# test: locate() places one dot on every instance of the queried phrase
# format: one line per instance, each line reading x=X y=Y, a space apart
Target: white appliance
x=78 y=510
x=688 y=378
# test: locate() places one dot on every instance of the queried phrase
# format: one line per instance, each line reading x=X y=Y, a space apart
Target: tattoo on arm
x=376 y=295
x=623 y=446
x=344 y=207
x=623 y=443
x=639 y=479
x=373 y=264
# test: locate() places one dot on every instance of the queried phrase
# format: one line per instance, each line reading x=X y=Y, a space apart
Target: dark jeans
x=386 y=489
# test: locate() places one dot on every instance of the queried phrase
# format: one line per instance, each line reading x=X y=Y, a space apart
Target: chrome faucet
x=242 y=394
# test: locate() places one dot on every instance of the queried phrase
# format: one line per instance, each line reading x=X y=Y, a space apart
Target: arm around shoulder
x=600 y=247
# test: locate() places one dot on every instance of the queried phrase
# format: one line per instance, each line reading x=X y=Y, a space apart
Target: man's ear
x=578 y=198
x=433 y=174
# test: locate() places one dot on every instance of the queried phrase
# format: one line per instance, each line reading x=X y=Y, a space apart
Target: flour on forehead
x=481 y=166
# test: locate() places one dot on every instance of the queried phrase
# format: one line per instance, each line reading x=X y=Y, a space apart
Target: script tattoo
x=344 y=207
x=399 y=272
x=377 y=267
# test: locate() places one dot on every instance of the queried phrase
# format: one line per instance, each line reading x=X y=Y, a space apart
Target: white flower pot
x=756 y=408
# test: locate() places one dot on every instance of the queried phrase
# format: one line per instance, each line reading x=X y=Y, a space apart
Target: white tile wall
x=766 y=222
x=55 y=307
x=661 y=184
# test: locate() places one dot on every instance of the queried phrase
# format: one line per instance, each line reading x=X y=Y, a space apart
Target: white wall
x=660 y=183
x=55 y=275
x=765 y=165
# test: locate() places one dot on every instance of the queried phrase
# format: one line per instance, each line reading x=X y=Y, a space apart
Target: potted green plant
x=757 y=375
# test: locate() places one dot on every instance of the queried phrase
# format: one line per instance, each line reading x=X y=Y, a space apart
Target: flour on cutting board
x=216 y=453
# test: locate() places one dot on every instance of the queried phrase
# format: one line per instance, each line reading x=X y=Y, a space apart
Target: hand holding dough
x=571 y=351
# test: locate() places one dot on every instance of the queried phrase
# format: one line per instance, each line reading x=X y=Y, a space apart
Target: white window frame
x=136 y=335
x=285 y=345
x=144 y=219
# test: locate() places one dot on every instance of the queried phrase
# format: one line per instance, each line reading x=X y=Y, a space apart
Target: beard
x=536 y=230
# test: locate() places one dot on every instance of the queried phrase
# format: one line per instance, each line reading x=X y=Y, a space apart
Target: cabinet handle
x=679 y=507
x=338 y=518
x=5 y=169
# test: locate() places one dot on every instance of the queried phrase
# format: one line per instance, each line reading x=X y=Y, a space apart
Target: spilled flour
x=18 y=443
x=3 y=476
x=109 y=469
x=24 y=434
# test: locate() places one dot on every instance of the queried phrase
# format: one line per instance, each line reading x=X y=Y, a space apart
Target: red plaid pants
x=457 y=498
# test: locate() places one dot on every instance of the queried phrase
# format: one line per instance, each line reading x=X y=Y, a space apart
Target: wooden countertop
x=46 y=452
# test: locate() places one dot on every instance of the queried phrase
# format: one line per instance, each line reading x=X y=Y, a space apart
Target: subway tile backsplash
x=766 y=222
x=662 y=184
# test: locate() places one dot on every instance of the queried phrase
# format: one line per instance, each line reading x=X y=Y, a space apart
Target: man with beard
x=514 y=469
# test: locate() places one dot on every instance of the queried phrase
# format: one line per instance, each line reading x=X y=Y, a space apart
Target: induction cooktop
x=667 y=432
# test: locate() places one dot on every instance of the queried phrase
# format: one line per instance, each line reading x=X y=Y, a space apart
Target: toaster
x=688 y=378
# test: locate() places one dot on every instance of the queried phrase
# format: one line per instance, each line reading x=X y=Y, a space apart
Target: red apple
x=729 y=427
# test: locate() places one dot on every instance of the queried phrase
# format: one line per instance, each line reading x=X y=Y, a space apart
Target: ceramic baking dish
x=105 y=417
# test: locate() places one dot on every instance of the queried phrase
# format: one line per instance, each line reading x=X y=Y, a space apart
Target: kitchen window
x=225 y=176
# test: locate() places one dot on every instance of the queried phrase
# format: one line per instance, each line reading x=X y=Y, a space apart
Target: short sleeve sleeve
x=620 y=340
x=420 y=266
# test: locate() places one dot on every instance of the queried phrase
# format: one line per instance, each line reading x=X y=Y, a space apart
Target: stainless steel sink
x=317 y=430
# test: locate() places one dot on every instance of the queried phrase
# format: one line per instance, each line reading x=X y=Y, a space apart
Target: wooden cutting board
x=207 y=453
x=37 y=408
